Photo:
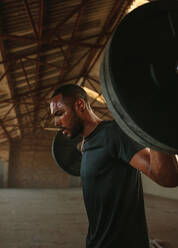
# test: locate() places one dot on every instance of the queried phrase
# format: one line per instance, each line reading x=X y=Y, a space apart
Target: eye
x=59 y=113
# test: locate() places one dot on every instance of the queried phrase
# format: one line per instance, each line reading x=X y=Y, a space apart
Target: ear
x=80 y=105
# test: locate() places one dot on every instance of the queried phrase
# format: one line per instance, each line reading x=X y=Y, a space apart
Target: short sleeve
x=121 y=145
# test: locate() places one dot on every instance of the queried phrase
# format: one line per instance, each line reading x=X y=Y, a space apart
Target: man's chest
x=95 y=161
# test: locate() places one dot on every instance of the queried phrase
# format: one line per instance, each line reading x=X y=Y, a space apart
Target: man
x=110 y=166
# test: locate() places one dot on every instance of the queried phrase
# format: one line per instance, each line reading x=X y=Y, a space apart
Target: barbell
x=139 y=75
x=139 y=80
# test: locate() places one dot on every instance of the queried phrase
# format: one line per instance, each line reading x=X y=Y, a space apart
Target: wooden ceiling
x=45 y=43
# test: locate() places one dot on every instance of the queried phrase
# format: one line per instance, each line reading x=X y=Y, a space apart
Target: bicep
x=141 y=161
x=161 y=168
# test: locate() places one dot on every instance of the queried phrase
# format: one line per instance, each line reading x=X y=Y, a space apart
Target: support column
x=4 y=165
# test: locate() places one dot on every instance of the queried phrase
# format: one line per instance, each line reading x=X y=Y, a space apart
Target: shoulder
x=111 y=131
x=120 y=143
x=114 y=132
x=112 y=127
x=107 y=127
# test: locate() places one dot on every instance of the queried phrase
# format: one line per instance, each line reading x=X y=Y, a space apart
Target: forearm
x=163 y=169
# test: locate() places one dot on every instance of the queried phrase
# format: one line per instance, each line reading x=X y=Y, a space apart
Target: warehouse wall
x=32 y=166
x=153 y=188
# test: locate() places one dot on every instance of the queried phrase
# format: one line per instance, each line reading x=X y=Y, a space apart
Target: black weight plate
x=139 y=76
x=66 y=154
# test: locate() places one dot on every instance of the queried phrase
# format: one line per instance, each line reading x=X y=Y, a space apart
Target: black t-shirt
x=112 y=190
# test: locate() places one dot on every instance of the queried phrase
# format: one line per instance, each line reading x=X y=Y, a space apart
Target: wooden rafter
x=7 y=134
x=105 y=114
x=8 y=112
x=44 y=63
x=60 y=42
x=42 y=18
x=4 y=74
x=12 y=91
x=47 y=46
x=29 y=14
x=94 y=53
x=72 y=39
x=51 y=87
x=27 y=81
x=60 y=24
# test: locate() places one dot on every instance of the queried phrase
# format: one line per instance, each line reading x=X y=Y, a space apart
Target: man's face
x=65 y=117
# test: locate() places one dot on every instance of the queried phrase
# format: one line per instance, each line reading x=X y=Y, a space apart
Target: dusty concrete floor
x=162 y=219
x=57 y=219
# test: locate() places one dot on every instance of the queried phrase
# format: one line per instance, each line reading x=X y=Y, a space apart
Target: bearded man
x=110 y=172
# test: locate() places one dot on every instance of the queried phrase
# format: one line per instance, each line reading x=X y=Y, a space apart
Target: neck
x=90 y=124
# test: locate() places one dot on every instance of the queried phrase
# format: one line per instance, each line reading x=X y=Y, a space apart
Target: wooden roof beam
x=113 y=15
x=4 y=74
x=42 y=21
x=60 y=24
x=44 y=63
x=69 y=50
x=113 y=18
x=27 y=8
x=11 y=100
x=8 y=112
x=93 y=79
x=77 y=43
x=54 y=42
x=5 y=131
x=26 y=78
x=11 y=89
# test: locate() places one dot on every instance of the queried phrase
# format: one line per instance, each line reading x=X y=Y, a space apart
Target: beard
x=76 y=128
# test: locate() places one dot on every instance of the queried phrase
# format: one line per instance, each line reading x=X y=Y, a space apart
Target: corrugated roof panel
x=60 y=50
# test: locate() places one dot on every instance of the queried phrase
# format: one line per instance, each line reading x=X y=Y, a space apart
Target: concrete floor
x=162 y=219
x=57 y=219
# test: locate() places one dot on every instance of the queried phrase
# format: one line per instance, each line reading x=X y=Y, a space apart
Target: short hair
x=71 y=91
